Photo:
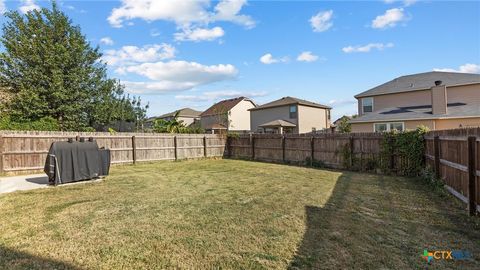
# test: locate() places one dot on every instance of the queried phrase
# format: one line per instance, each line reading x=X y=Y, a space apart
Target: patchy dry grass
x=232 y=214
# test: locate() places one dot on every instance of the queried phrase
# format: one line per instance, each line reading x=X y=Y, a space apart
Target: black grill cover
x=104 y=161
x=75 y=161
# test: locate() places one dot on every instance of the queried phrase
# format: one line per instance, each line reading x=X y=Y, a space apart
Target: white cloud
x=28 y=5
x=156 y=87
x=367 y=48
x=218 y=95
x=390 y=19
x=154 y=32
x=467 y=68
x=307 y=56
x=269 y=59
x=177 y=75
x=341 y=102
x=409 y=2
x=227 y=10
x=199 y=34
x=3 y=8
x=406 y=3
x=184 y=71
x=183 y=13
x=322 y=21
x=128 y=55
x=106 y=41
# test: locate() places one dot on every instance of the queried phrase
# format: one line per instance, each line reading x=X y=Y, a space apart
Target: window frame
x=388 y=126
x=295 y=113
x=363 y=106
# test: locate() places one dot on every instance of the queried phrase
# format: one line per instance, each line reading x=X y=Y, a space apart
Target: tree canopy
x=50 y=70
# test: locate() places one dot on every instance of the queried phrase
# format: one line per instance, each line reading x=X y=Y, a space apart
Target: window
x=293 y=111
x=328 y=115
x=382 y=127
x=396 y=126
x=367 y=105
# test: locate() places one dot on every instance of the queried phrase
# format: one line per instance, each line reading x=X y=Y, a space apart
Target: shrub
x=409 y=145
x=43 y=124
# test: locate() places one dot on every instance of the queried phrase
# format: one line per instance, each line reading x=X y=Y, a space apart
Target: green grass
x=233 y=215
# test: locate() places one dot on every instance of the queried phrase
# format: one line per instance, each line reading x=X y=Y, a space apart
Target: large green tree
x=51 y=70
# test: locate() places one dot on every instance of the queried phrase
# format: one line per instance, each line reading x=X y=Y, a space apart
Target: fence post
x=350 y=142
x=252 y=142
x=229 y=146
x=175 y=147
x=283 y=148
x=1 y=154
x=436 y=153
x=204 y=146
x=472 y=175
x=312 y=150
x=134 y=150
x=392 y=156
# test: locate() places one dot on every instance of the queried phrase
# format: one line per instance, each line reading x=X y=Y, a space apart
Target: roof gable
x=421 y=81
x=185 y=112
x=224 y=106
x=290 y=101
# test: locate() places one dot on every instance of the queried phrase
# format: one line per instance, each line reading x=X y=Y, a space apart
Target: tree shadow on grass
x=373 y=222
x=12 y=259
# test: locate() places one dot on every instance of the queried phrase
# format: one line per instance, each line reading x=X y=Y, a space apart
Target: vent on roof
x=437 y=83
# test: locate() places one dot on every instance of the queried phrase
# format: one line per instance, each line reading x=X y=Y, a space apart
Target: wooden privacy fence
x=454 y=155
x=24 y=152
x=359 y=151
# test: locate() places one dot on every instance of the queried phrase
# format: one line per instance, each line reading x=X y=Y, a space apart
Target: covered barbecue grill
x=75 y=161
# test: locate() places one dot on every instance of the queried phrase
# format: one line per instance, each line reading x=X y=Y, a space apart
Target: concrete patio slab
x=28 y=182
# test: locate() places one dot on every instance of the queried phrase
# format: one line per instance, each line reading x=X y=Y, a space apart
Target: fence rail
x=363 y=148
x=25 y=152
x=454 y=155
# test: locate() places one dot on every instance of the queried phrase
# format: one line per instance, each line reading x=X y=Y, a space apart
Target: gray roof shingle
x=289 y=101
x=421 y=81
x=454 y=110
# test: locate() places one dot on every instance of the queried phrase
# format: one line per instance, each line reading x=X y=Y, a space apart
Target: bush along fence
x=454 y=157
x=25 y=152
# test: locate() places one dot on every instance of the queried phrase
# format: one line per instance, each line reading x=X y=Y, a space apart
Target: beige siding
x=457 y=123
x=310 y=117
x=409 y=125
x=402 y=100
x=187 y=120
x=467 y=93
x=263 y=116
x=239 y=116
x=208 y=121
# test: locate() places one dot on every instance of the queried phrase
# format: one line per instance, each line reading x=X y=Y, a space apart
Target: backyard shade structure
x=74 y=161
x=278 y=124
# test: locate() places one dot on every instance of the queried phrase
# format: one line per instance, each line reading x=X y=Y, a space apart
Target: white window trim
x=388 y=126
x=363 y=106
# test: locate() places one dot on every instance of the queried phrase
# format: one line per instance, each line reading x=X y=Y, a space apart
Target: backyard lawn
x=233 y=214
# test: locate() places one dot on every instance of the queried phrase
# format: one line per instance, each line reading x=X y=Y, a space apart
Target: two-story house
x=186 y=115
x=438 y=100
x=228 y=115
x=290 y=115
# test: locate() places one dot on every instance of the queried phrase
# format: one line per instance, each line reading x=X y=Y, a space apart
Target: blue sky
x=178 y=54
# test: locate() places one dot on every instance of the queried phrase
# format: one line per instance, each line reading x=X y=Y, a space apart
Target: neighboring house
x=187 y=115
x=228 y=115
x=336 y=123
x=438 y=100
x=290 y=115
